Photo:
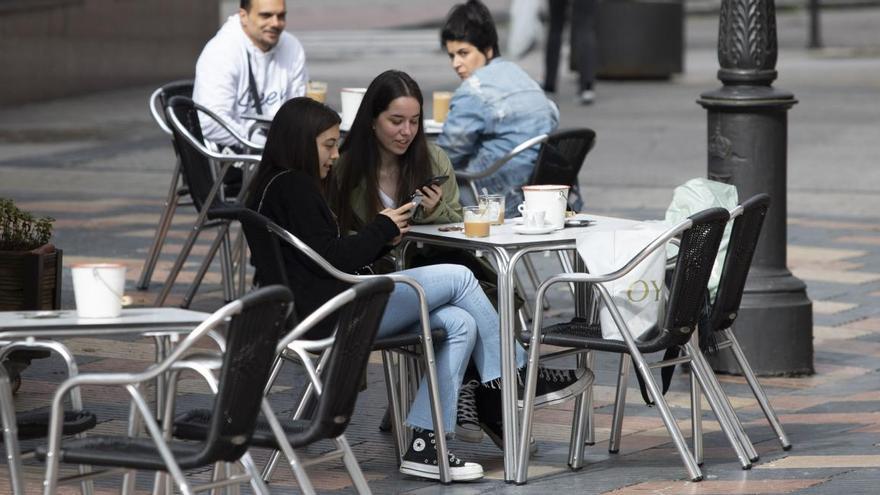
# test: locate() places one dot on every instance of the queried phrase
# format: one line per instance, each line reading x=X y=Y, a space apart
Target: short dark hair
x=471 y=22
x=290 y=144
x=245 y=4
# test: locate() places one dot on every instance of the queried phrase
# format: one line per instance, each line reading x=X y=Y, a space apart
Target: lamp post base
x=774 y=327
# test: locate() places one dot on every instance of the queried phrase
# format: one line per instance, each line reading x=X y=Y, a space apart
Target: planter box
x=30 y=280
x=640 y=39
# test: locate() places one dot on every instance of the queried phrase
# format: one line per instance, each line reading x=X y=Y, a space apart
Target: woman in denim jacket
x=496 y=107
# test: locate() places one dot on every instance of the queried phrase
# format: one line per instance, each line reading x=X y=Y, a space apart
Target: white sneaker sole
x=469 y=472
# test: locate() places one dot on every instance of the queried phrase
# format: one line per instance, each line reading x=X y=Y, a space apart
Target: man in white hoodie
x=251 y=66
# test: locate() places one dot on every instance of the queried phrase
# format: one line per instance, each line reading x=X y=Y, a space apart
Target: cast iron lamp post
x=747 y=130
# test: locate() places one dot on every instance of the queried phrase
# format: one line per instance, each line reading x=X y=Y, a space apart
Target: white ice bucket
x=351 y=101
x=98 y=289
x=552 y=199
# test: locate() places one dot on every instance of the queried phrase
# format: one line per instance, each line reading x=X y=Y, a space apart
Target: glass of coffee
x=317 y=90
x=476 y=221
x=494 y=205
x=441 y=105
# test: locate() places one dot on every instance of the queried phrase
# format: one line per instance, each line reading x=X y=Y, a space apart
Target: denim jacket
x=498 y=107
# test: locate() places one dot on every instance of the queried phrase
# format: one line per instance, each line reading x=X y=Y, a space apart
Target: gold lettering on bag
x=644 y=290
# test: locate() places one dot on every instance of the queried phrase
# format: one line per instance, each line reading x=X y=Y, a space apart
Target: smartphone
x=416 y=198
x=434 y=181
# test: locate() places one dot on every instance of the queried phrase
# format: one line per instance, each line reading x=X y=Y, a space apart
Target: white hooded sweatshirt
x=222 y=81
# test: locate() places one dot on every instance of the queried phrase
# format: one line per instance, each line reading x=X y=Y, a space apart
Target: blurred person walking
x=583 y=44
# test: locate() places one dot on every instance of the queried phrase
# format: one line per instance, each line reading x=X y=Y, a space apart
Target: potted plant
x=30 y=272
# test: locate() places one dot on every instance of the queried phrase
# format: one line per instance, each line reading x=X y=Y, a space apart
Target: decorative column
x=747 y=132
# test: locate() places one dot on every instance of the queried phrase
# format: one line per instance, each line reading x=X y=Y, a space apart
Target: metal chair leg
x=10 y=434
x=590 y=438
x=227 y=268
x=757 y=390
x=726 y=406
x=391 y=384
x=619 y=405
x=181 y=258
x=351 y=464
x=205 y=266
x=696 y=419
x=715 y=402
x=168 y=209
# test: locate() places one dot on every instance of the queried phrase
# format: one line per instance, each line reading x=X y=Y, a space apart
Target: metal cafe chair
x=335 y=381
x=35 y=424
x=560 y=158
x=700 y=236
x=177 y=189
x=748 y=219
x=254 y=323
x=265 y=239
x=205 y=185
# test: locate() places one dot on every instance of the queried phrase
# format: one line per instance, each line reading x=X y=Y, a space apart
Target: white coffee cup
x=532 y=219
x=351 y=101
x=553 y=199
x=98 y=289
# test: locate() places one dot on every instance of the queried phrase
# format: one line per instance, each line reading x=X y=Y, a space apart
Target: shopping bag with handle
x=639 y=295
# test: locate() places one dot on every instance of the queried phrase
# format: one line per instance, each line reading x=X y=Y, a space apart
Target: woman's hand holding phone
x=400 y=216
x=431 y=197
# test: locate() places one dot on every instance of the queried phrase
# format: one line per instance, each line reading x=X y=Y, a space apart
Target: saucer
x=522 y=229
x=433 y=127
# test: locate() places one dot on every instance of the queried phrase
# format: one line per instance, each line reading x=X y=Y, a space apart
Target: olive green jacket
x=447 y=211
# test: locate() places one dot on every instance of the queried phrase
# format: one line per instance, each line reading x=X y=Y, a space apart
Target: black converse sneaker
x=467 y=424
x=557 y=385
x=553 y=386
x=421 y=460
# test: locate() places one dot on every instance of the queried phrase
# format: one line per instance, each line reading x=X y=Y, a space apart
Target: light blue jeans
x=456 y=303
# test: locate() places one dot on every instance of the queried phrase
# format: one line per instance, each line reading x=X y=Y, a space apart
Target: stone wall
x=56 y=48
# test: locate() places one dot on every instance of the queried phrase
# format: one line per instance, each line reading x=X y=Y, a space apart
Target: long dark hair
x=360 y=150
x=471 y=22
x=291 y=143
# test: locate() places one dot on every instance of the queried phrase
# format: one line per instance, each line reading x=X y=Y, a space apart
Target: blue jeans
x=457 y=304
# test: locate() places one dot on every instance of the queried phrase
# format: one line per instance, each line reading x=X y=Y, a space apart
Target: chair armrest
x=225 y=125
x=220 y=157
x=156 y=112
x=471 y=176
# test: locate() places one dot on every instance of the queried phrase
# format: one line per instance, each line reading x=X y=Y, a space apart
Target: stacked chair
x=177 y=189
x=264 y=239
x=199 y=166
x=700 y=236
x=748 y=219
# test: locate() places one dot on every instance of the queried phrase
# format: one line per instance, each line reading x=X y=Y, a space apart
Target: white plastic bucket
x=98 y=289
x=552 y=199
x=351 y=101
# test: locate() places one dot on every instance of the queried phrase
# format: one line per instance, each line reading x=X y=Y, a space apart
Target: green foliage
x=19 y=230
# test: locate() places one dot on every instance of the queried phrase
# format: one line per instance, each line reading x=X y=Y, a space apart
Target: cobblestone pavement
x=98 y=165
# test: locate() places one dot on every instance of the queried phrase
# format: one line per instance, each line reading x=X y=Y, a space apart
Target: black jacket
x=292 y=200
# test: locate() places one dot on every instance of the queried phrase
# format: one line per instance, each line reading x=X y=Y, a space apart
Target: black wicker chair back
x=357 y=324
x=196 y=168
x=250 y=351
x=165 y=93
x=743 y=242
x=562 y=155
x=696 y=255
